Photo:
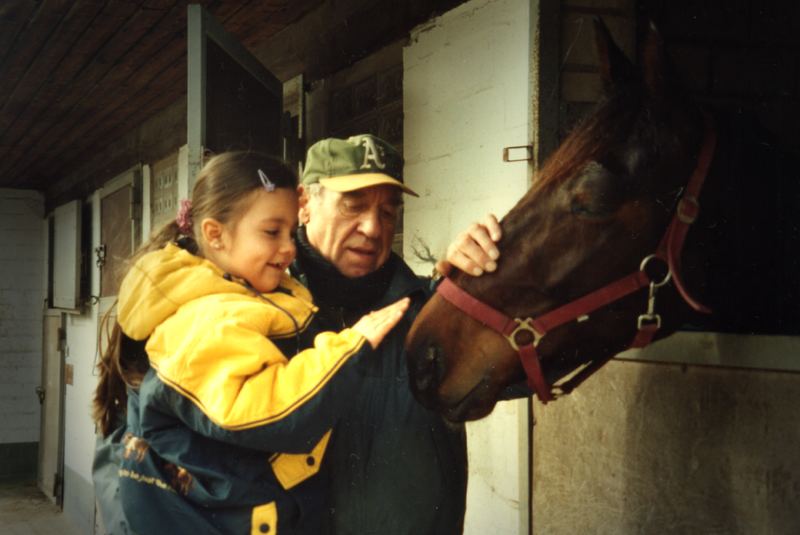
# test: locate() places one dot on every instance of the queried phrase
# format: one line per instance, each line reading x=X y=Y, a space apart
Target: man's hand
x=474 y=250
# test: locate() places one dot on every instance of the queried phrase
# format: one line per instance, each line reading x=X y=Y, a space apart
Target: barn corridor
x=24 y=510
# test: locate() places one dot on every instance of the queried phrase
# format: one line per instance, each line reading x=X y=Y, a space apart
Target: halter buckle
x=525 y=325
x=649 y=320
x=688 y=209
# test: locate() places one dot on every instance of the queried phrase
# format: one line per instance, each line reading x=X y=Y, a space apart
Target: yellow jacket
x=226 y=429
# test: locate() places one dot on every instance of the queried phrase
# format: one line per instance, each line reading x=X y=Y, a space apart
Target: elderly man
x=396 y=468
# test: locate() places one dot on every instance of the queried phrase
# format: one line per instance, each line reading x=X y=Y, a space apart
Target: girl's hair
x=221 y=192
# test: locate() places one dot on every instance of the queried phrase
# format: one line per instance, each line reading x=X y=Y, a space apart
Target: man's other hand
x=474 y=250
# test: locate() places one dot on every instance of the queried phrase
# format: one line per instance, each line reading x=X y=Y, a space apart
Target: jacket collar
x=329 y=287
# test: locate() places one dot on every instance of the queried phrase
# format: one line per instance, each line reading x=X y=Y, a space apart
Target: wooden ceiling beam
x=266 y=18
x=114 y=65
x=224 y=11
x=101 y=77
x=91 y=98
x=150 y=141
x=166 y=76
x=25 y=51
x=24 y=104
x=14 y=16
x=78 y=127
x=66 y=92
x=340 y=33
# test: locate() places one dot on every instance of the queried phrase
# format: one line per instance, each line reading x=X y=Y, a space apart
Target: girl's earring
x=216 y=244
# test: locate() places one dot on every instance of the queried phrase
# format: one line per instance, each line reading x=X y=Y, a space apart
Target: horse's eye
x=593 y=194
x=579 y=208
x=597 y=206
x=589 y=202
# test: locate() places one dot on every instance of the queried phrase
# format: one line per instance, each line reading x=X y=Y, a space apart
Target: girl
x=224 y=433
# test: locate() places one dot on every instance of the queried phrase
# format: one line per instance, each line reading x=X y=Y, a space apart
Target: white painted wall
x=466 y=96
x=22 y=294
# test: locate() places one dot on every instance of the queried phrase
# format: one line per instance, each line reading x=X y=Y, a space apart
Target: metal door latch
x=100 y=254
x=522 y=153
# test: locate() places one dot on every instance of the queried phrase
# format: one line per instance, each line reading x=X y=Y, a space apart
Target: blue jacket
x=396 y=467
x=226 y=434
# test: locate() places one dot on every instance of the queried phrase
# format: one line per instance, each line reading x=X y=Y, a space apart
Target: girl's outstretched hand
x=377 y=324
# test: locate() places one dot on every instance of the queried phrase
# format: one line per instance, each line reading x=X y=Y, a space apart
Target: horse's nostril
x=432 y=354
x=430 y=368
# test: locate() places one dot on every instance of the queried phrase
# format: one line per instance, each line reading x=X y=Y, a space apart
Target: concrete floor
x=24 y=510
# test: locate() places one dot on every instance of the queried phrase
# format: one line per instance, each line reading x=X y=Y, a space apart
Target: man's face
x=353 y=230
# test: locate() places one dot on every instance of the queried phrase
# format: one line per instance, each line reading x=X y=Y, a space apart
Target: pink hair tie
x=184 y=218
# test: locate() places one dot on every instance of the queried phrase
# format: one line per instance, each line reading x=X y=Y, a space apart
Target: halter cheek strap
x=524 y=334
x=686 y=213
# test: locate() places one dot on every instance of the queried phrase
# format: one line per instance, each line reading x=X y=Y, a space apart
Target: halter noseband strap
x=524 y=335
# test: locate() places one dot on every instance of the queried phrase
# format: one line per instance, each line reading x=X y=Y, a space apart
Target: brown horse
x=611 y=249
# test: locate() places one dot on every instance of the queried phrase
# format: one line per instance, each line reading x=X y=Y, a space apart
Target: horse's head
x=599 y=206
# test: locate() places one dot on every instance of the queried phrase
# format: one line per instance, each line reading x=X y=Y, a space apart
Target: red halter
x=524 y=334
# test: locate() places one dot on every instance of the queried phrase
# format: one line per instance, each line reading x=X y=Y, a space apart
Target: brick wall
x=21 y=301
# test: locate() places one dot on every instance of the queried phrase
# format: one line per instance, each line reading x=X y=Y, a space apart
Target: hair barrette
x=184 y=217
x=269 y=185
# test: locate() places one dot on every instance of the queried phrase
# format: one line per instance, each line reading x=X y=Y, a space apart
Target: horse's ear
x=615 y=67
x=654 y=62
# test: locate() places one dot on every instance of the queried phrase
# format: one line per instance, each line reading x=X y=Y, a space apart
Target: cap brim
x=364 y=180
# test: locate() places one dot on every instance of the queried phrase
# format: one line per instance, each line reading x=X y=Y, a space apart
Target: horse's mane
x=609 y=124
x=606 y=126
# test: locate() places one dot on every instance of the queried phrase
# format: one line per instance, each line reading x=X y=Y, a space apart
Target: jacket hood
x=160 y=282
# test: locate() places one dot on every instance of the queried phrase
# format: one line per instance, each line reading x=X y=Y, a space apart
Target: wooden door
x=115 y=238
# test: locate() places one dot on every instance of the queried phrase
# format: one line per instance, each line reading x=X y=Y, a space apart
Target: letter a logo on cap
x=372 y=152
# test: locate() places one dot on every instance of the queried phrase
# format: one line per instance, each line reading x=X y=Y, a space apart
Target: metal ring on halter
x=667 y=277
x=523 y=325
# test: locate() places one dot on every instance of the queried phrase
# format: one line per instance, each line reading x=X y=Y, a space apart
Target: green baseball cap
x=354 y=163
